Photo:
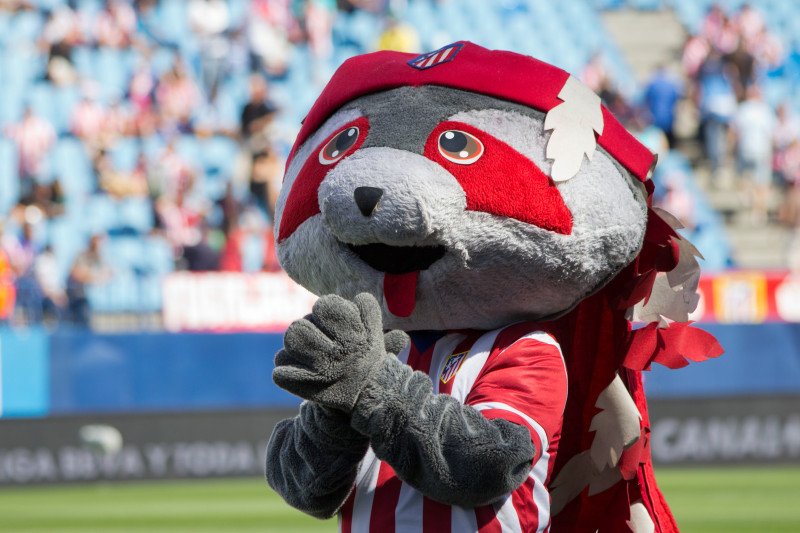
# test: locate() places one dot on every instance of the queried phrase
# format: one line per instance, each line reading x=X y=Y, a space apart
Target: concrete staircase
x=650 y=38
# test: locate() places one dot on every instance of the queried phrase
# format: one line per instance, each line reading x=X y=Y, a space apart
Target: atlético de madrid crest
x=437 y=57
x=452 y=365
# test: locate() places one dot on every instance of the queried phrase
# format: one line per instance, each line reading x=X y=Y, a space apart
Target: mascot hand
x=329 y=355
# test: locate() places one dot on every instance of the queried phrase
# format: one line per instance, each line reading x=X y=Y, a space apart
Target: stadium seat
x=9 y=179
x=125 y=153
x=71 y=165
x=135 y=214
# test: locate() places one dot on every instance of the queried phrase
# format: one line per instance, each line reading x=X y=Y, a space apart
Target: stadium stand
x=145 y=101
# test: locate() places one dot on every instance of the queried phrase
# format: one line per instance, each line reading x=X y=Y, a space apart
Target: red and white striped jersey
x=516 y=373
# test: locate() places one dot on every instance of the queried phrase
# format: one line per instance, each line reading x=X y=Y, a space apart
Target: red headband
x=469 y=67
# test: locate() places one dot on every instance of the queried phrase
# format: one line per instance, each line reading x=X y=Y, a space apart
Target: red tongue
x=400 y=291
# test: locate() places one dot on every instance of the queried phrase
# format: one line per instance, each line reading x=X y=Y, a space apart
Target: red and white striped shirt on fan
x=516 y=373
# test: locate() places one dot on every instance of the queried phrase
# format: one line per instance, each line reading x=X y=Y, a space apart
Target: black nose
x=367 y=199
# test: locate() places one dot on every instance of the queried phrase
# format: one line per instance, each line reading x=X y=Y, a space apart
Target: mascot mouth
x=401 y=266
x=398 y=259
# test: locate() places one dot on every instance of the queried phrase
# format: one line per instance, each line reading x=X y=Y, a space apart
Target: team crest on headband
x=452 y=366
x=431 y=59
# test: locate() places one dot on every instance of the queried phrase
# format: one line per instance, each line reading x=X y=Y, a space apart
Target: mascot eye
x=460 y=147
x=336 y=147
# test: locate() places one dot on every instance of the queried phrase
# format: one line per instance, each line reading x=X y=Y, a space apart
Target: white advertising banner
x=233 y=301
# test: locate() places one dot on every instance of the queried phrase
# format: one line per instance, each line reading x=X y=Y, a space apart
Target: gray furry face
x=476 y=269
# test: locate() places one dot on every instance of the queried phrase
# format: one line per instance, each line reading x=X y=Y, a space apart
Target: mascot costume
x=481 y=232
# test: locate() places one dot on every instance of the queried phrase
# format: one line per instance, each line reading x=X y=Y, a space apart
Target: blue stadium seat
x=149 y=293
x=112 y=71
x=41 y=99
x=68 y=240
x=125 y=153
x=174 y=18
x=158 y=257
x=71 y=165
x=219 y=155
x=25 y=27
x=9 y=178
x=22 y=64
x=123 y=252
x=135 y=214
x=100 y=213
x=252 y=253
x=5 y=25
x=188 y=146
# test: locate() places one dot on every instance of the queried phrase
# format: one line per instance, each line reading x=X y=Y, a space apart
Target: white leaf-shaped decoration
x=574 y=123
x=576 y=475
x=616 y=426
x=640 y=521
x=674 y=293
x=571 y=480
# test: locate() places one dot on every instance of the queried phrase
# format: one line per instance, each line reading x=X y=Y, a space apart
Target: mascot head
x=464 y=188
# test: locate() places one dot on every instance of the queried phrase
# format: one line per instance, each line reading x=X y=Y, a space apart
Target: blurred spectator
x=257 y=116
x=753 y=125
x=89 y=268
x=49 y=199
x=53 y=296
x=270 y=27
x=679 y=200
x=595 y=73
x=181 y=221
x=35 y=137
x=694 y=53
x=767 y=49
x=13 y=6
x=713 y=22
x=230 y=259
x=209 y=20
x=267 y=172
x=141 y=93
x=230 y=207
x=787 y=168
x=716 y=101
x=88 y=123
x=116 y=25
x=121 y=183
x=319 y=18
x=201 y=257
x=170 y=173
x=21 y=252
x=743 y=69
x=7 y=290
x=60 y=34
x=398 y=36
x=177 y=96
x=750 y=22
x=787 y=128
x=661 y=95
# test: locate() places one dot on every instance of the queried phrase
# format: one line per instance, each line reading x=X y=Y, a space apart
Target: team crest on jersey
x=431 y=59
x=452 y=366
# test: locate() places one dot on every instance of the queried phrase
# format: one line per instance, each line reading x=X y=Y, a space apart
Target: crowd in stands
x=171 y=92
x=727 y=62
x=224 y=73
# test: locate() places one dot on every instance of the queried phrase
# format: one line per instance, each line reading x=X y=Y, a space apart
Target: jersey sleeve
x=524 y=381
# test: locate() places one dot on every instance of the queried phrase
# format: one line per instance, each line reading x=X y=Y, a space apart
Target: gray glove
x=337 y=356
x=329 y=355
x=312 y=459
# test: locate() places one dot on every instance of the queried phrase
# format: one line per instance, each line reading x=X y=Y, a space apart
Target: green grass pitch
x=704 y=500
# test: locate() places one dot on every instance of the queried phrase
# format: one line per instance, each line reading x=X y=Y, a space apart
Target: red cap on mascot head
x=469 y=67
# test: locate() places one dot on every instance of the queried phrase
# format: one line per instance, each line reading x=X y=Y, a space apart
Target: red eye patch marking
x=302 y=202
x=504 y=182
